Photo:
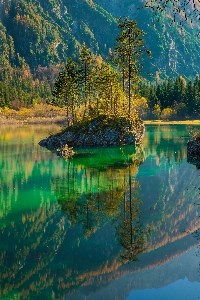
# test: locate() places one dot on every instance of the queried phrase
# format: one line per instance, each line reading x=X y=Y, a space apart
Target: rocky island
x=101 y=131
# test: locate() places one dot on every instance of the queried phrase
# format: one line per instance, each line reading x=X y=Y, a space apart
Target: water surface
x=118 y=223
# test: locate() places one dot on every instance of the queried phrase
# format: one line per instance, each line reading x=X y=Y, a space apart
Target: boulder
x=193 y=152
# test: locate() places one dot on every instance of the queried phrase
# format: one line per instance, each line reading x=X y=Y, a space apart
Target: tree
x=190 y=97
x=130 y=232
x=157 y=111
x=85 y=72
x=109 y=93
x=66 y=88
x=179 y=89
x=128 y=54
x=167 y=113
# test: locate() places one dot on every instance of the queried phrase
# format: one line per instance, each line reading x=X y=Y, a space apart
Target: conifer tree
x=128 y=54
x=85 y=74
x=66 y=88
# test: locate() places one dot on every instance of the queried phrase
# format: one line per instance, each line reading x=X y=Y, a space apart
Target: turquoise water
x=114 y=223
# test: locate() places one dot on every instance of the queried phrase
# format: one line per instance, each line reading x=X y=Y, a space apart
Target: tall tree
x=110 y=95
x=66 y=89
x=128 y=54
x=85 y=74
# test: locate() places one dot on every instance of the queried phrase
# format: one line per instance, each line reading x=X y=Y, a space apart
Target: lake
x=114 y=223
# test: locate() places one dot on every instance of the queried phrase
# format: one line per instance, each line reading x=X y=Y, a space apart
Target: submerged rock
x=65 y=151
x=102 y=131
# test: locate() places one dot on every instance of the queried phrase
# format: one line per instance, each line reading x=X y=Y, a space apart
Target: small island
x=99 y=96
x=100 y=131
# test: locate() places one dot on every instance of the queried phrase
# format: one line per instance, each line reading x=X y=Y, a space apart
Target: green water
x=115 y=223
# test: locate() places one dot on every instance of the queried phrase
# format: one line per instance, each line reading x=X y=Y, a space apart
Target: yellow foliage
x=140 y=104
x=38 y=110
x=167 y=113
x=157 y=111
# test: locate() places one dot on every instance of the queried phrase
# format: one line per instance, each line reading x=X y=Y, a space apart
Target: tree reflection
x=131 y=235
x=25 y=263
x=115 y=201
x=43 y=251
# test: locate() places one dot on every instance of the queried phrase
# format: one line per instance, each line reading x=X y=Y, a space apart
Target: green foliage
x=19 y=88
x=180 y=97
x=128 y=54
x=102 y=122
x=36 y=37
x=46 y=31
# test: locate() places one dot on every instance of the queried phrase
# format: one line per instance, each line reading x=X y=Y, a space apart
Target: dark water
x=119 y=223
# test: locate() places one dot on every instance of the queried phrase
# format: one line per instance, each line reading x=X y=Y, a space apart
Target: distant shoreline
x=160 y=122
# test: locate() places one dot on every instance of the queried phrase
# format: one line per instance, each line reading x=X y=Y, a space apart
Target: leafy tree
x=167 y=113
x=157 y=111
x=108 y=88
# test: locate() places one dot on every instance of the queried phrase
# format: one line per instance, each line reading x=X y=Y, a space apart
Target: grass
x=39 y=113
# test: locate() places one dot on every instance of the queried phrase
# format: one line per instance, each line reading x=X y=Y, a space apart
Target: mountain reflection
x=29 y=248
x=164 y=141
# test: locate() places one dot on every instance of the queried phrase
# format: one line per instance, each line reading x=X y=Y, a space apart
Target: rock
x=101 y=131
x=193 y=152
x=65 y=151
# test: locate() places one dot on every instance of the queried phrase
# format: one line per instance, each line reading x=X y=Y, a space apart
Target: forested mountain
x=45 y=32
x=38 y=36
x=172 y=34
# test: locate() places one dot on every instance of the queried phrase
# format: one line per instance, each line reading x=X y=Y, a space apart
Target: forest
x=50 y=48
x=102 y=86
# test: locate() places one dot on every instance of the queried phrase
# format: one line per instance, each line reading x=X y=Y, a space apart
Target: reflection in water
x=164 y=141
x=129 y=229
x=108 y=194
x=68 y=228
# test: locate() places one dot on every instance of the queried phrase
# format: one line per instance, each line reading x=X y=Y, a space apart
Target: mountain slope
x=46 y=32
x=172 y=37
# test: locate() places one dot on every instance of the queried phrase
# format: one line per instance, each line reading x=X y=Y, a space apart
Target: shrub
x=167 y=113
x=157 y=111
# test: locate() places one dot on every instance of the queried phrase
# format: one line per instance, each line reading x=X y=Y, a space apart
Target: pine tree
x=85 y=74
x=66 y=89
x=128 y=54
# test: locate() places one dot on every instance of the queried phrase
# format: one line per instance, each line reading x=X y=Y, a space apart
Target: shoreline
x=160 y=122
x=63 y=120
x=34 y=120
